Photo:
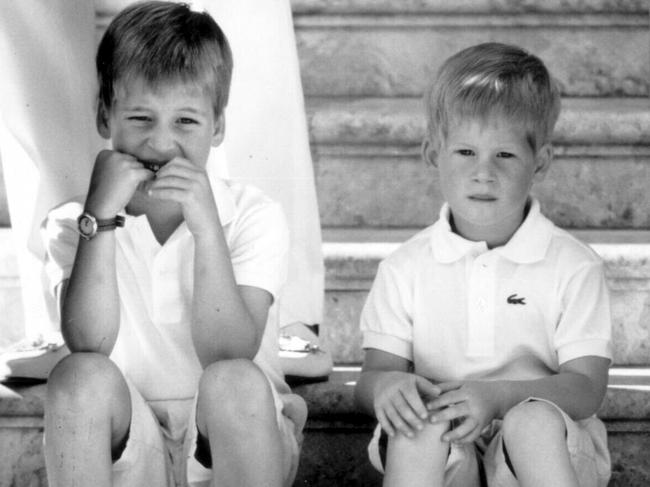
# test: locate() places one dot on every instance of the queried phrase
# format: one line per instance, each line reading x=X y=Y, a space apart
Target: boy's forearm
x=222 y=327
x=364 y=392
x=575 y=393
x=90 y=307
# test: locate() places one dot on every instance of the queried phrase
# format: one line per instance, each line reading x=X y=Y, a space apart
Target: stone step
x=383 y=48
x=352 y=256
x=336 y=434
x=369 y=171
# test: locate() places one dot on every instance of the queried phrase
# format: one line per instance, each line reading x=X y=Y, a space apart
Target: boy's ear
x=429 y=153
x=543 y=160
x=219 y=130
x=103 y=124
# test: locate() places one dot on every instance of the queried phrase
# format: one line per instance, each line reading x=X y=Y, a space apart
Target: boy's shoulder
x=243 y=203
x=569 y=251
x=413 y=252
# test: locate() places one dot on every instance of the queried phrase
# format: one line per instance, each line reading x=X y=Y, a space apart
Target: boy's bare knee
x=430 y=434
x=84 y=377
x=236 y=387
x=532 y=420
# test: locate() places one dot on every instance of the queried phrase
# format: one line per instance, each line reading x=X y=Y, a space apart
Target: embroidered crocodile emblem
x=514 y=299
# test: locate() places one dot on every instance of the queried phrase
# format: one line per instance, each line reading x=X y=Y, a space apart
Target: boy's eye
x=505 y=155
x=187 y=121
x=140 y=118
x=465 y=152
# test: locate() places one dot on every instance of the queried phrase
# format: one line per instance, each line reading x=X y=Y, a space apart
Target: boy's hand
x=115 y=178
x=187 y=184
x=399 y=404
x=474 y=403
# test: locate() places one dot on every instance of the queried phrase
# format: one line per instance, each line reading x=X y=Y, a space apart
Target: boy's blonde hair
x=489 y=80
x=164 y=42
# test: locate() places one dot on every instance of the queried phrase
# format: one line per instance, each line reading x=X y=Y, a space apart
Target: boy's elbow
x=593 y=396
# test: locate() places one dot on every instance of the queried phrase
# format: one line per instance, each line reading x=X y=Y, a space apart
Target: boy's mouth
x=482 y=197
x=153 y=166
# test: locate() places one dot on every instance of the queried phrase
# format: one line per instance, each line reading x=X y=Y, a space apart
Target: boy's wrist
x=99 y=211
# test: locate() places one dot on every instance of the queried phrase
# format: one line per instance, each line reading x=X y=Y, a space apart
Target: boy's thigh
x=463 y=468
x=586 y=443
x=143 y=459
x=290 y=414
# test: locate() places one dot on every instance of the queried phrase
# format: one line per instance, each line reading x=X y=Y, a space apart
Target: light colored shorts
x=485 y=461
x=160 y=450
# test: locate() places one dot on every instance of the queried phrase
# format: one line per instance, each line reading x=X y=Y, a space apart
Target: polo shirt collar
x=529 y=243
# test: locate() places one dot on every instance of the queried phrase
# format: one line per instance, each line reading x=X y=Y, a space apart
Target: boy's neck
x=493 y=235
x=164 y=217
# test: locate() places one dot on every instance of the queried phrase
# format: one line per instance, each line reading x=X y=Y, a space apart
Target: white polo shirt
x=460 y=311
x=154 y=346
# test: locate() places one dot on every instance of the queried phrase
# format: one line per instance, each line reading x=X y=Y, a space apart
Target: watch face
x=87 y=226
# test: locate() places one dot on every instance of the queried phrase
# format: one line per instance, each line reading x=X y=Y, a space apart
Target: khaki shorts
x=163 y=441
x=485 y=462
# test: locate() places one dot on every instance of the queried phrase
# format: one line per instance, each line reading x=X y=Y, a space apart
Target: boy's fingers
x=398 y=423
x=170 y=182
x=450 y=412
x=413 y=399
x=449 y=386
x=426 y=388
x=406 y=412
x=446 y=399
x=465 y=428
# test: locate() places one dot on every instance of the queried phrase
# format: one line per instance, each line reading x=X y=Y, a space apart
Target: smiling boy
x=487 y=335
x=166 y=276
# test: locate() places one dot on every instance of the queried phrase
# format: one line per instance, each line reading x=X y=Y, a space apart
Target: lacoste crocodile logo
x=514 y=299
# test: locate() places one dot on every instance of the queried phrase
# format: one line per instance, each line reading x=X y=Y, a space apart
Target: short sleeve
x=60 y=239
x=259 y=248
x=585 y=323
x=386 y=322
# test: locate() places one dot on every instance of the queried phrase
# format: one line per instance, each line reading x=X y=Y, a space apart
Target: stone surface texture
x=397 y=55
x=335 y=7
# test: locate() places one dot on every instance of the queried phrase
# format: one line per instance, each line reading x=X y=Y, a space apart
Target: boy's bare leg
x=236 y=413
x=535 y=437
x=87 y=415
x=417 y=461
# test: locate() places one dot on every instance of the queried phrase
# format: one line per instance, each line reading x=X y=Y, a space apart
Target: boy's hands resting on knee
x=400 y=402
x=473 y=403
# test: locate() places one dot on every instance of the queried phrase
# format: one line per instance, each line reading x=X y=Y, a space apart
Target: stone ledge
x=332 y=402
x=587 y=123
x=353 y=264
x=390 y=7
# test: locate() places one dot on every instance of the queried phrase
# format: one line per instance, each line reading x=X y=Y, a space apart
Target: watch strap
x=109 y=223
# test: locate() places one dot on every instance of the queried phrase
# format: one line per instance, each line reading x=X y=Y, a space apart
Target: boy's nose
x=162 y=141
x=484 y=170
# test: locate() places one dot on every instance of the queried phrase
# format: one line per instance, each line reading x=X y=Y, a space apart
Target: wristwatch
x=88 y=225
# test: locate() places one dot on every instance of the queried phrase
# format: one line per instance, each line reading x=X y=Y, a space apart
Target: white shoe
x=31 y=360
x=301 y=357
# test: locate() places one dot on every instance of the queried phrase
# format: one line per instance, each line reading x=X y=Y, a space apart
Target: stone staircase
x=364 y=64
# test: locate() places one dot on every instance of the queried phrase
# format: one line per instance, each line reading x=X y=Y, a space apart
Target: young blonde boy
x=487 y=335
x=166 y=276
